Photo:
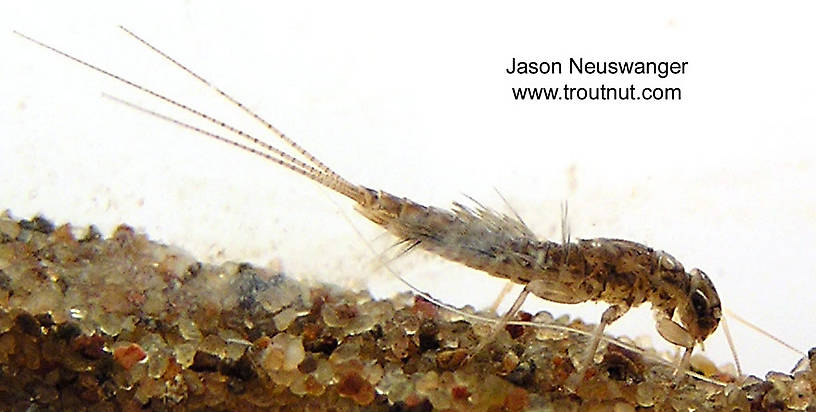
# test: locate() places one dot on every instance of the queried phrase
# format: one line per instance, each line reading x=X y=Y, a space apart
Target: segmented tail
x=309 y=166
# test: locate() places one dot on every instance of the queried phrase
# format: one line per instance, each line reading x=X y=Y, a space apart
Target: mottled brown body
x=609 y=270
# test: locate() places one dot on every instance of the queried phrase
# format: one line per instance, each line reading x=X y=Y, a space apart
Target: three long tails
x=309 y=166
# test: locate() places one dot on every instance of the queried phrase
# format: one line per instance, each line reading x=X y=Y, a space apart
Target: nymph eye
x=699 y=302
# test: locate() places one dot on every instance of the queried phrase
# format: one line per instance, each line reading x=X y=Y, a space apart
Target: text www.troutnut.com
x=604 y=92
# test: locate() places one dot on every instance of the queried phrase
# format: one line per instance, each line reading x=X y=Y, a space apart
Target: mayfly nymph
x=622 y=273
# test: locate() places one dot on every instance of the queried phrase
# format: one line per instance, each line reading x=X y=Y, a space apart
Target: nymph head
x=701 y=312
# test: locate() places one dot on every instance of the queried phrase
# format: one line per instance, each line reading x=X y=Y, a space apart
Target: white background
x=414 y=100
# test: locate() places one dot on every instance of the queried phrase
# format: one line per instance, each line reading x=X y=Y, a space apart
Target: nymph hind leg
x=544 y=289
x=499 y=299
x=498 y=326
x=541 y=288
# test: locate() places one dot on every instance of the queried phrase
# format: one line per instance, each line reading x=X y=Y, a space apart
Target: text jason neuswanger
x=580 y=66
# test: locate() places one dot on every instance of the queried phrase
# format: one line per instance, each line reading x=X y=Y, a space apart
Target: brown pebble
x=308 y=365
x=313 y=387
x=262 y=342
x=345 y=312
x=516 y=400
x=622 y=364
x=424 y=307
x=460 y=393
x=64 y=234
x=91 y=347
x=451 y=359
x=516 y=331
x=562 y=369
x=353 y=386
x=509 y=362
x=127 y=356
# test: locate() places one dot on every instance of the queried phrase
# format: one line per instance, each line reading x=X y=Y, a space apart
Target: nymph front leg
x=678 y=335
